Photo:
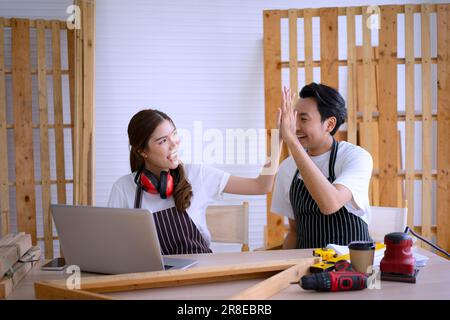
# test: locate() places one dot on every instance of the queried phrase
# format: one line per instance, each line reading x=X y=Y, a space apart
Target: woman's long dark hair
x=140 y=129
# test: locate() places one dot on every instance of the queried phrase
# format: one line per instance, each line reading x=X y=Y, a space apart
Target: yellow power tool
x=330 y=257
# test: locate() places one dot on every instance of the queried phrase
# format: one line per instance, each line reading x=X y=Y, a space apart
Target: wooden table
x=433 y=281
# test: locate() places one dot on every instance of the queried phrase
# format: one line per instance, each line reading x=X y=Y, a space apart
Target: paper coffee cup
x=361 y=255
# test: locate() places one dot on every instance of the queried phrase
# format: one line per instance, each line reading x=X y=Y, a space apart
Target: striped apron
x=178 y=234
x=317 y=230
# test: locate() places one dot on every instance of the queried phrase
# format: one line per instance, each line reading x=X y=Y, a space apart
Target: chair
x=385 y=220
x=228 y=224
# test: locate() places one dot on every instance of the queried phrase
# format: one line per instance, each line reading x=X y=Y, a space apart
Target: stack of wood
x=17 y=258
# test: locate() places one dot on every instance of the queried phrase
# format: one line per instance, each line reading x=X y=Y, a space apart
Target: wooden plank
x=170 y=278
x=375 y=185
x=274 y=233
x=371 y=125
x=58 y=112
x=21 y=269
x=48 y=25
x=426 y=123
x=43 y=130
x=351 y=78
x=358 y=10
x=23 y=132
x=344 y=63
x=307 y=19
x=275 y=284
x=443 y=126
x=34 y=71
x=49 y=291
x=4 y=187
x=78 y=113
x=329 y=72
x=367 y=84
x=293 y=66
x=388 y=107
x=71 y=66
x=87 y=166
x=410 y=116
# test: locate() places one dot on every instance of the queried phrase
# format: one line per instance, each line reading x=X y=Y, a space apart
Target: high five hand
x=287 y=115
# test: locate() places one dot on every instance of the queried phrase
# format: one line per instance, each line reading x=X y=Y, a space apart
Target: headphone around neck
x=147 y=181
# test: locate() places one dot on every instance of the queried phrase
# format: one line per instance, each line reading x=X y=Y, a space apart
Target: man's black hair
x=329 y=102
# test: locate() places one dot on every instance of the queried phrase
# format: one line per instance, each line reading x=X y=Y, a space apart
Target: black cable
x=427 y=242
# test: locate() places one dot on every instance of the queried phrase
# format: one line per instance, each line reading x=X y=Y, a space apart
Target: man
x=323 y=187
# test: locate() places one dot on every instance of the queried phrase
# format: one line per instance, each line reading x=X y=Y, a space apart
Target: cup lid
x=361 y=245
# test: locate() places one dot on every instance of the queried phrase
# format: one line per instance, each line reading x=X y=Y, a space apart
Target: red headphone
x=147 y=181
x=163 y=187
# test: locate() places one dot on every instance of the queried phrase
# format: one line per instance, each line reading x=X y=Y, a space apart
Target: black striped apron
x=317 y=230
x=178 y=234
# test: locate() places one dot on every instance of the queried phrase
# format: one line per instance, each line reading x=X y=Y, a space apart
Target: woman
x=323 y=188
x=175 y=193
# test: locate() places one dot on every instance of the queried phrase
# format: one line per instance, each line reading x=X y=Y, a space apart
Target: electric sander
x=398 y=263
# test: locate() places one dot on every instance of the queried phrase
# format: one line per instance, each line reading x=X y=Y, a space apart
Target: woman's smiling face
x=161 y=152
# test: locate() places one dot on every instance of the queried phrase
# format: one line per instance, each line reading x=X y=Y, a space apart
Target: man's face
x=311 y=131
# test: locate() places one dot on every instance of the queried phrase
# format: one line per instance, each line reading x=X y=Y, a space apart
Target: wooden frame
x=95 y=287
x=80 y=72
x=375 y=114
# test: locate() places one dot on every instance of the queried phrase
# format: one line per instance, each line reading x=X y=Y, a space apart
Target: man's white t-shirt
x=207 y=184
x=353 y=169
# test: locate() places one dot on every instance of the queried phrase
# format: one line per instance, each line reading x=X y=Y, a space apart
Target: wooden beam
x=86 y=140
x=344 y=63
x=388 y=107
x=329 y=47
x=32 y=23
x=443 y=126
x=352 y=126
x=272 y=83
x=426 y=123
x=293 y=69
x=78 y=115
x=35 y=71
x=410 y=116
x=367 y=85
x=49 y=291
x=44 y=144
x=72 y=66
x=307 y=20
x=170 y=278
x=368 y=120
x=276 y=283
x=23 y=133
x=58 y=113
x=4 y=188
x=358 y=10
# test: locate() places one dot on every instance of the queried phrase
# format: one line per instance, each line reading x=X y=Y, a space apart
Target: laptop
x=111 y=240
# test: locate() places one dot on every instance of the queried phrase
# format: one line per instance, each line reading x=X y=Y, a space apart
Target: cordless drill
x=334 y=281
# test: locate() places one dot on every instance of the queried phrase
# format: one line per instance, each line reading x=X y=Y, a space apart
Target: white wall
x=196 y=60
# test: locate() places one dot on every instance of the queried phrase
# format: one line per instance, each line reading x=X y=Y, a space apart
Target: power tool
x=330 y=258
x=334 y=281
x=398 y=261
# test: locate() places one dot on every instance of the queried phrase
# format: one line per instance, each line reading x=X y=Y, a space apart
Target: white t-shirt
x=207 y=186
x=353 y=169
